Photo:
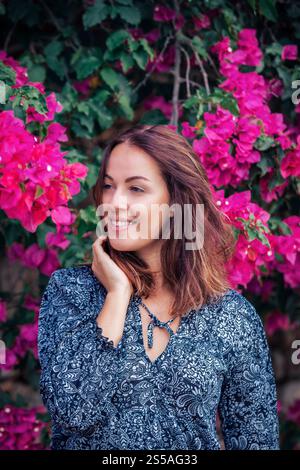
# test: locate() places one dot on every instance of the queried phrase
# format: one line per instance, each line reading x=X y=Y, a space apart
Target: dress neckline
x=137 y=301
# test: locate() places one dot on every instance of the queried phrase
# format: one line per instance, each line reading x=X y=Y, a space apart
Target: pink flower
x=34 y=177
x=62 y=216
x=159 y=102
x=203 y=22
x=279 y=406
x=57 y=239
x=82 y=86
x=293 y=412
x=163 y=13
x=152 y=36
x=20 y=429
x=21 y=72
x=275 y=88
x=273 y=194
x=3 y=311
x=46 y=260
x=289 y=52
x=248 y=45
x=53 y=107
x=188 y=131
x=290 y=164
x=15 y=251
x=276 y=321
x=33 y=256
x=162 y=62
x=50 y=262
x=56 y=133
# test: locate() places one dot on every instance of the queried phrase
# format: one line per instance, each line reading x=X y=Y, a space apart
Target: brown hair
x=195 y=276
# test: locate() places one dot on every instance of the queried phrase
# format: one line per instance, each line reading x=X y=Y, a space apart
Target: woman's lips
x=121 y=225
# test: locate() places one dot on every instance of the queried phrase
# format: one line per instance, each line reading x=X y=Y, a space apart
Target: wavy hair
x=195 y=276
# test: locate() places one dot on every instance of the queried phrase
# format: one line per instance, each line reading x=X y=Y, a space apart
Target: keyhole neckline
x=137 y=301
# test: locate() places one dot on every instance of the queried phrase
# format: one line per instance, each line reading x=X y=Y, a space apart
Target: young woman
x=142 y=348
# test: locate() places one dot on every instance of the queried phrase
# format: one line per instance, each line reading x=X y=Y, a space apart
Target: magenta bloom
x=293 y=412
x=34 y=177
x=3 y=311
x=62 y=216
x=163 y=13
x=290 y=164
x=277 y=321
x=159 y=102
x=289 y=52
x=188 y=131
x=203 y=22
x=20 y=429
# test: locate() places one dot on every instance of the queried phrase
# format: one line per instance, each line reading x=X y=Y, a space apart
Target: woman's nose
x=119 y=201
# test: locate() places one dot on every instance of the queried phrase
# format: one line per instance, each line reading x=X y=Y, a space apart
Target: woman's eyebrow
x=130 y=178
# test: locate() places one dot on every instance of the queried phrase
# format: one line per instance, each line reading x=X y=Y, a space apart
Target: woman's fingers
x=97 y=245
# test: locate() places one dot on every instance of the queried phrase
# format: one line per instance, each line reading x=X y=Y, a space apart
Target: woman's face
x=138 y=199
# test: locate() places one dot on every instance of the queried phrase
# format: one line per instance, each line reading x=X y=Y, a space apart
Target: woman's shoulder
x=236 y=320
x=73 y=273
x=76 y=279
x=74 y=286
x=73 y=295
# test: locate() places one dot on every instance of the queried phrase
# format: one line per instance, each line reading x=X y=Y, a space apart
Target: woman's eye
x=138 y=189
x=134 y=188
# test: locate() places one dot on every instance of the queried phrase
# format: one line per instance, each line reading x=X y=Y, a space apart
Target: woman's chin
x=123 y=243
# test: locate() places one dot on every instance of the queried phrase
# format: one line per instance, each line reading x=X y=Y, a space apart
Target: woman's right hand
x=107 y=271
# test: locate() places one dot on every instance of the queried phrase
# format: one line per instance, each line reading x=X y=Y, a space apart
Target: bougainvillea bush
x=221 y=73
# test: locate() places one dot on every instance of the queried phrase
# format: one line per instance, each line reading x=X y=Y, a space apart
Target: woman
x=141 y=349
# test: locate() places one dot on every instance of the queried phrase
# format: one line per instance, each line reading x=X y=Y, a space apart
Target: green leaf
x=268 y=9
x=104 y=117
x=10 y=336
x=7 y=74
x=274 y=49
x=126 y=61
x=199 y=46
x=110 y=77
x=264 y=164
x=145 y=44
x=17 y=9
x=86 y=66
x=125 y=107
x=141 y=58
x=131 y=14
x=191 y=102
x=37 y=73
x=277 y=224
x=52 y=52
x=95 y=14
x=88 y=215
x=264 y=142
x=284 y=74
x=252 y=4
x=125 y=2
x=117 y=38
x=83 y=125
x=53 y=49
x=277 y=180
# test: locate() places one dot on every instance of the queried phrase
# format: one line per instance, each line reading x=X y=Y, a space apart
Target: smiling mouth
x=122 y=224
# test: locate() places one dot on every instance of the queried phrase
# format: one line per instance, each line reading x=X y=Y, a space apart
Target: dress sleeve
x=248 y=404
x=79 y=369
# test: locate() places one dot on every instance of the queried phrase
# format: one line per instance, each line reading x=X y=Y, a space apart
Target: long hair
x=195 y=276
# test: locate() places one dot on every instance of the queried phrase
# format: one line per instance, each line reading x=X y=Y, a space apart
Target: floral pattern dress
x=102 y=396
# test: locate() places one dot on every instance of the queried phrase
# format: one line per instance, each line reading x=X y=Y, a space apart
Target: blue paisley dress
x=102 y=396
